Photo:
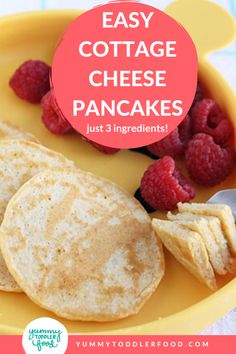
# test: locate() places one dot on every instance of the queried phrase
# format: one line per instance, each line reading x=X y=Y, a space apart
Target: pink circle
x=125 y=74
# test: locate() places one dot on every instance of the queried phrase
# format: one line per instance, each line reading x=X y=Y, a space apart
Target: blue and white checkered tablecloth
x=224 y=60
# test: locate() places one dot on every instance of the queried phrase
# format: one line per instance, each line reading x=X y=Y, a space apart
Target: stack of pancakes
x=202 y=237
x=75 y=243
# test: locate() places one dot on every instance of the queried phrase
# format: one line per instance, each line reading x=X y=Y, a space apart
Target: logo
x=45 y=335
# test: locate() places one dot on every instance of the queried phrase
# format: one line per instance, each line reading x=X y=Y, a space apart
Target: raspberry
x=139 y=197
x=101 y=148
x=163 y=185
x=173 y=144
x=31 y=80
x=52 y=117
x=185 y=130
x=199 y=95
x=208 y=118
x=208 y=163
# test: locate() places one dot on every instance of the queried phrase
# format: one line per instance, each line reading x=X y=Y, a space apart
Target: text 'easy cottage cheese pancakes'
x=80 y=246
x=19 y=161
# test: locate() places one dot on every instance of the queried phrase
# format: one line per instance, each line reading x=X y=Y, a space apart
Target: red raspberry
x=208 y=163
x=185 y=130
x=101 y=148
x=31 y=80
x=52 y=117
x=199 y=95
x=163 y=185
x=173 y=144
x=208 y=118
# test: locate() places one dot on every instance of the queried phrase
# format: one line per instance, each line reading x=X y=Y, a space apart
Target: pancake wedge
x=203 y=225
x=188 y=248
x=222 y=211
x=10 y=131
x=81 y=247
x=19 y=161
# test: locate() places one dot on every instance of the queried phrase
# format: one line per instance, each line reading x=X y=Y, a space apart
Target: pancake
x=188 y=248
x=80 y=246
x=10 y=131
x=222 y=211
x=210 y=231
x=19 y=161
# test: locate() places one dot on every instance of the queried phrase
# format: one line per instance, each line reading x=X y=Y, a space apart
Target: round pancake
x=9 y=131
x=19 y=161
x=80 y=246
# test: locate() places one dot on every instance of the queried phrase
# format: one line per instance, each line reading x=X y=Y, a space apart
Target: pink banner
x=137 y=344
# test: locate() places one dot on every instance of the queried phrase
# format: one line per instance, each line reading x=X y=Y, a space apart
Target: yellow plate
x=181 y=305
